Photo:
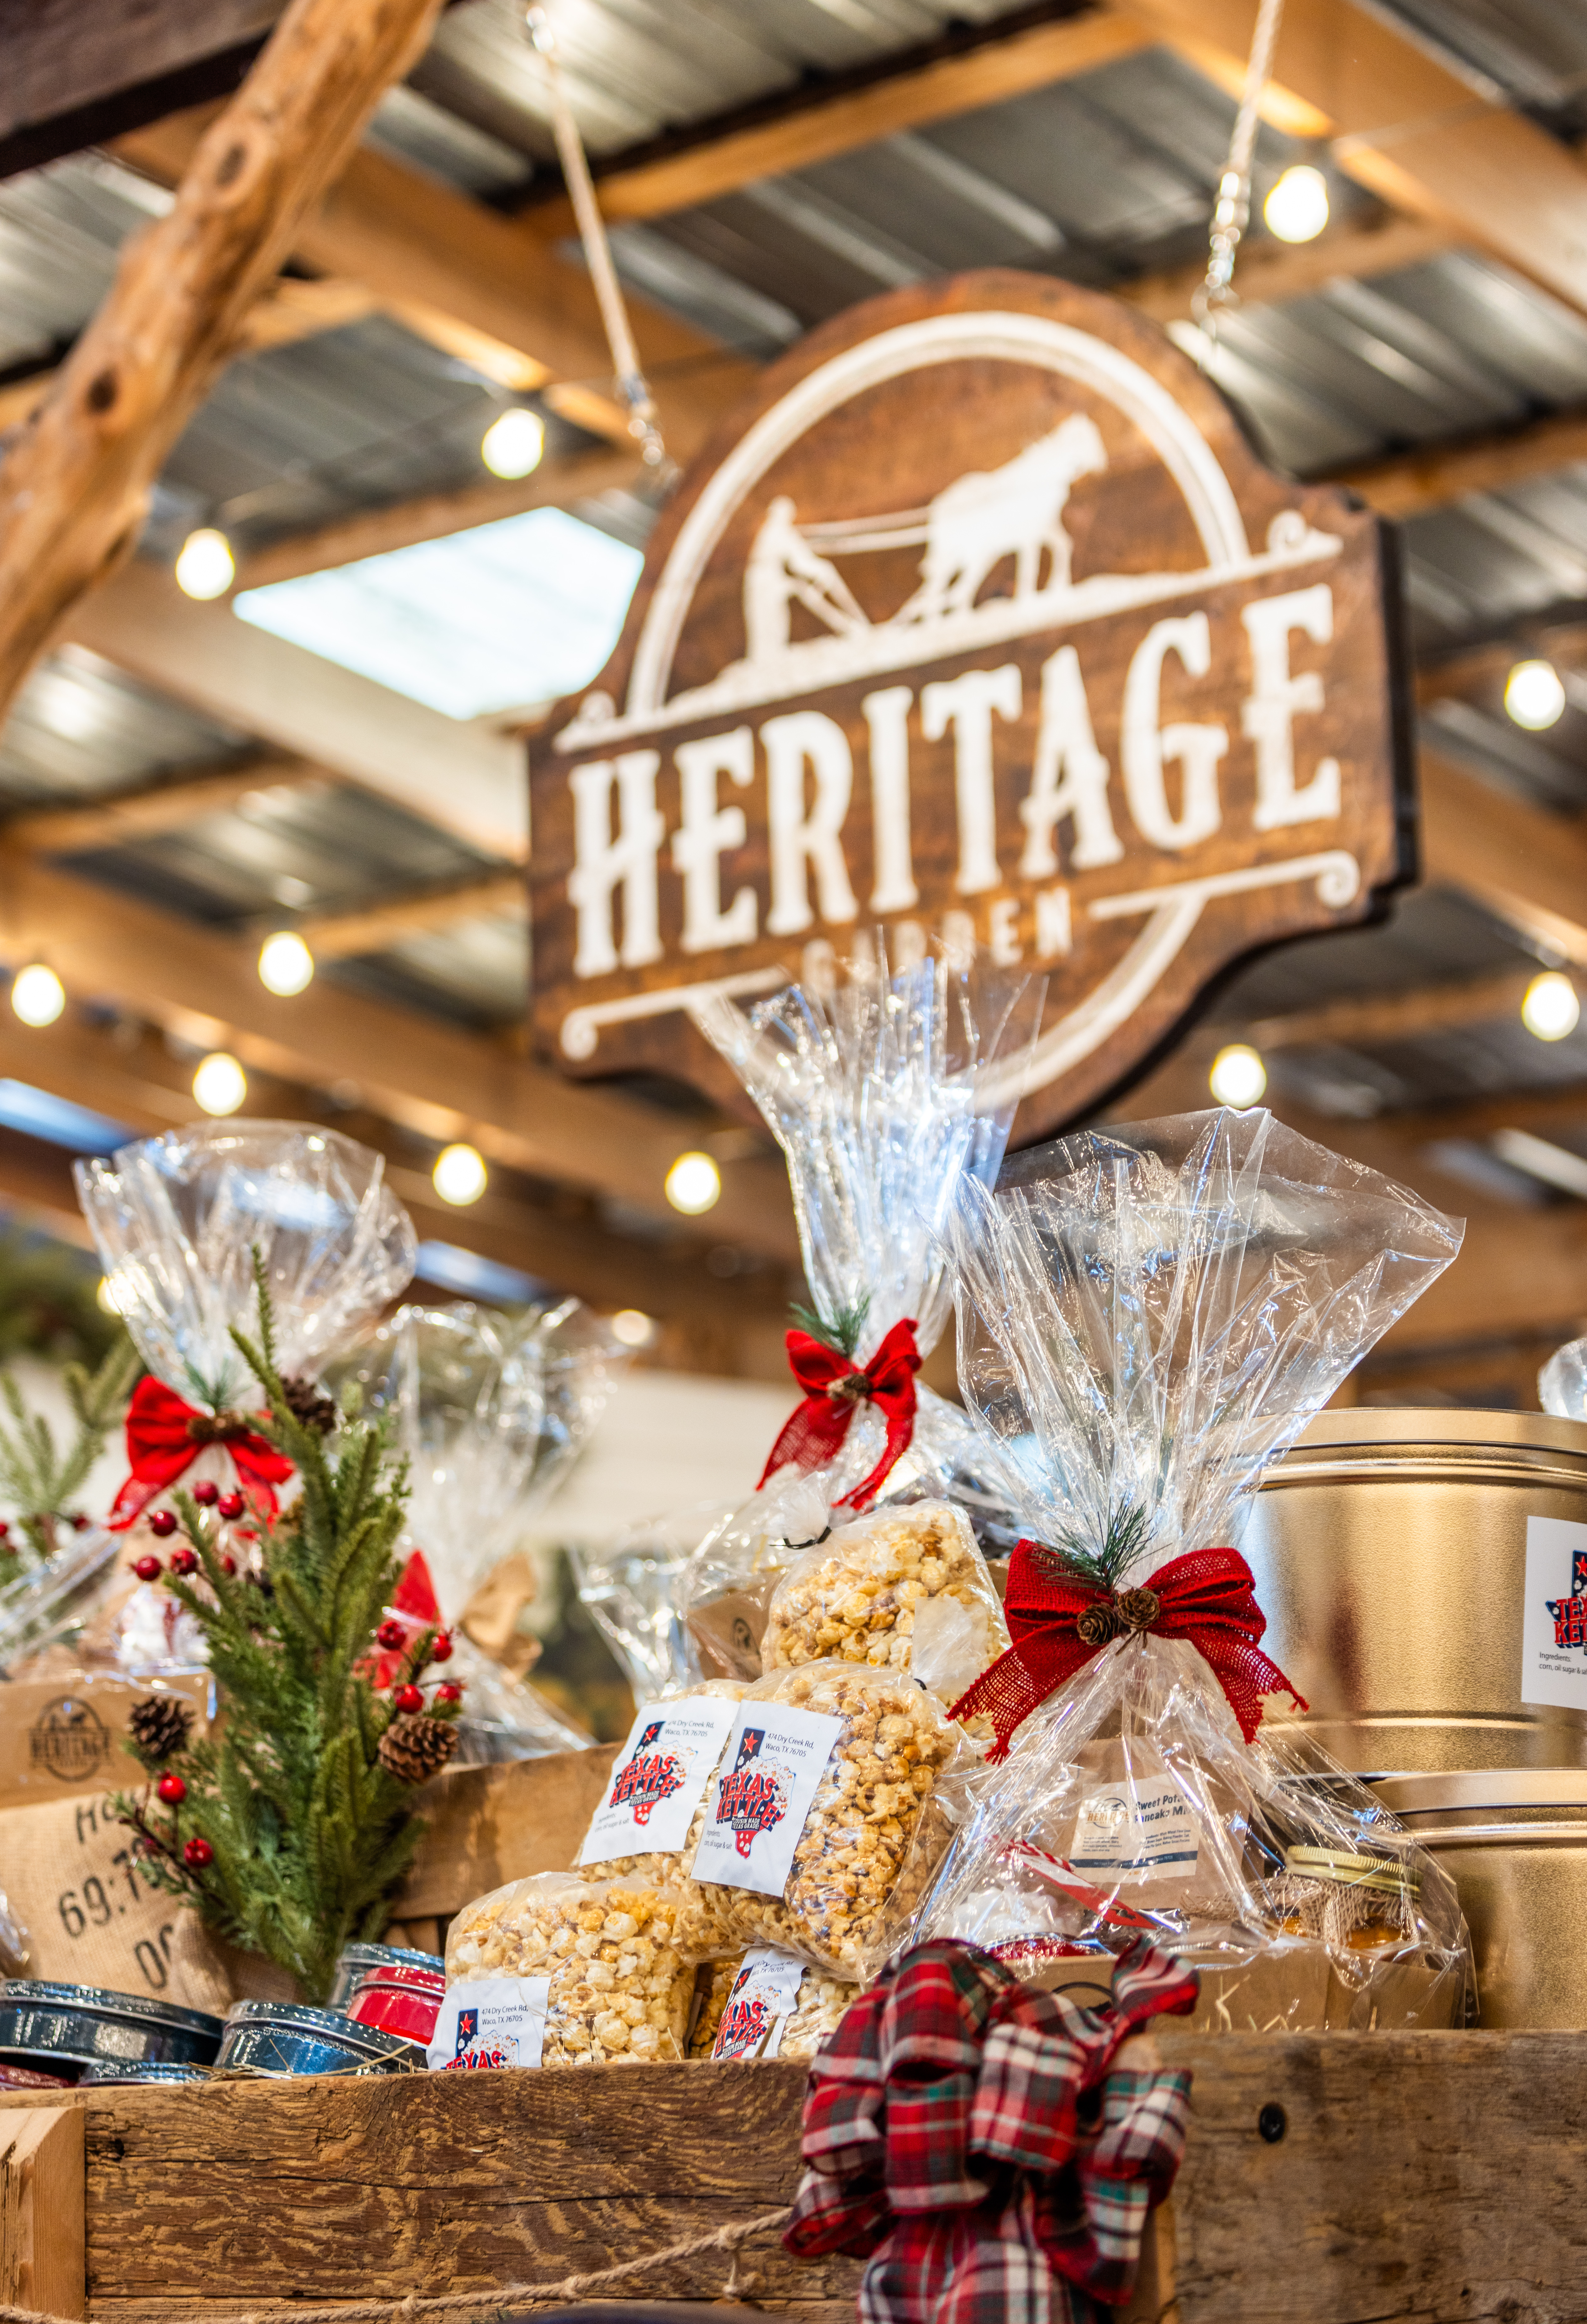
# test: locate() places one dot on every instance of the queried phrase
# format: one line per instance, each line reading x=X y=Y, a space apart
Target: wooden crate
x=1421 y=2177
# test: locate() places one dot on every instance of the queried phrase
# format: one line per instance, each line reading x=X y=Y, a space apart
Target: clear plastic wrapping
x=1146 y=1317
x=620 y=1989
x=794 y=2030
x=885 y=1094
x=1561 y=1384
x=664 y=1768
x=177 y=1220
x=902 y=1589
x=823 y=1827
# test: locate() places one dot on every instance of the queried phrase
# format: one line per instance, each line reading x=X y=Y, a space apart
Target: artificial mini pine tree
x=40 y=1481
x=290 y=1832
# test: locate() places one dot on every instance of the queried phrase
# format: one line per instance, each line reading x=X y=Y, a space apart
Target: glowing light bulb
x=286 y=965
x=513 y=445
x=1238 y=1078
x=37 y=995
x=108 y=1297
x=220 y=1084
x=1534 y=695
x=1551 y=1008
x=632 y=1326
x=205 y=567
x=459 y=1175
x=1297 y=211
x=694 y=1184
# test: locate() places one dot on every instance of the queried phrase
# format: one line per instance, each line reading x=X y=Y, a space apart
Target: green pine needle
x=840 y=1332
x=38 y=1480
x=1123 y=1540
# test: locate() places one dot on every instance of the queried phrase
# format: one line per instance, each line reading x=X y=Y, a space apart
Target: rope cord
x=1232 y=211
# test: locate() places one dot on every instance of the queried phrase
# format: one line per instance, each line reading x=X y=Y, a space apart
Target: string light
x=220 y=1084
x=694 y=1184
x=632 y=1327
x=460 y=1176
x=1238 y=1078
x=206 y=567
x=286 y=965
x=1551 y=1008
x=1534 y=695
x=1297 y=211
x=37 y=994
x=514 y=445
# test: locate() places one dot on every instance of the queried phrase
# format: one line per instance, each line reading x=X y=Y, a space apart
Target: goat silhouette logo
x=982 y=623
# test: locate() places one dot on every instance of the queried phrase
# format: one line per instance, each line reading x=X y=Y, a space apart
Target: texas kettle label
x=660 y=1775
x=774 y=1761
x=1553 y=1627
x=764 y=1993
x=489 y=2023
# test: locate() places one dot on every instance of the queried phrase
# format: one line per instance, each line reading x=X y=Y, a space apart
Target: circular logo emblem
x=69 y=1740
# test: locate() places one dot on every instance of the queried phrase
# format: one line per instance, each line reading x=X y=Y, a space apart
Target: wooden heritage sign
x=982 y=623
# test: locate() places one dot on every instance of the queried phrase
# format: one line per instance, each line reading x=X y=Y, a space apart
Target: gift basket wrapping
x=489 y=1410
x=178 y=1220
x=880 y=1095
x=1561 y=1384
x=1147 y=1317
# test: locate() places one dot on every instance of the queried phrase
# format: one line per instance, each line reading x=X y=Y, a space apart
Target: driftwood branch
x=75 y=484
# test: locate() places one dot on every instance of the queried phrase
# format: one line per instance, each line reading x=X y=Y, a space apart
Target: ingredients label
x=661 y=1772
x=1132 y=1830
x=491 y=2021
x=1553 y=1622
x=763 y=1995
x=776 y=1756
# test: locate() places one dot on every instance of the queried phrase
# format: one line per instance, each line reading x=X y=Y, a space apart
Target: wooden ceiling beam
x=458 y=773
x=344 y=935
x=1404 y=127
x=1525 y=865
x=434 y=516
x=1373 y=1020
x=170 y=804
x=1271 y=272
x=74 y=487
x=1409 y=483
x=425 y=251
x=988 y=67
x=428 y=1077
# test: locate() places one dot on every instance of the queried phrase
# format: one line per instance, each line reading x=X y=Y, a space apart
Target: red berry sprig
x=390 y=1634
x=184 y=1561
x=198 y=1853
x=171 y=1790
x=207 y=1492
x=449 y=1691
x=162 y=1523
x=231 y=1507
x=147 y=1569
x=409 y=1698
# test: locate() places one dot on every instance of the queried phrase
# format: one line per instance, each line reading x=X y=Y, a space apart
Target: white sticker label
x=776 y=1756
x=764 y=1993
x=1132 y=1830
x=1554 y=1621
x=491 y=2021
x=658 y=1779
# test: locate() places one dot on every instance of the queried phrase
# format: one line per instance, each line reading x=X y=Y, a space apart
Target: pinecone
x=162 y=1726
x=415 y=1749
x=308 y=1406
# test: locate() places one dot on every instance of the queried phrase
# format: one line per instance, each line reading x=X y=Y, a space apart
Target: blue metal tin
x=108 y=2072
x=280 y=2037
x=353 y=1960
x=60 y=2028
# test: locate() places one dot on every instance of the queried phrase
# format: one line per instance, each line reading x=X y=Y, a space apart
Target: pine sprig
x=41 y=1481
x=840 y=1332
x=1123 y=1540
x=309 y=1833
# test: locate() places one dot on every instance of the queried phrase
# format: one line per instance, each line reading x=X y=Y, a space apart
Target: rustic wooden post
x=74 y=485
x=42 y=2182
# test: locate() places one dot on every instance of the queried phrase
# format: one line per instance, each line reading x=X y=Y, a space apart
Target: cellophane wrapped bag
x=1147 y=1317
x=823 y=1827
x=620 y=1989
x=774 y=2004
x=1561 y=1384
x=653 y=1812
x=886 y=1095
x=489 y=1409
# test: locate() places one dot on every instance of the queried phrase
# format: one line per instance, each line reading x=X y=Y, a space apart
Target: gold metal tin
x=1515 y=1842
x=1383 y=1874
x=1389 y=1550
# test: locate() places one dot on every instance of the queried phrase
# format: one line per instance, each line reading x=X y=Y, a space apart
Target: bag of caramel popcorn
x=823 y=1827
x=763 y=2003
x=617 y=1988
x=903 y=1588
x=1147 y=1317
x=654 y=1808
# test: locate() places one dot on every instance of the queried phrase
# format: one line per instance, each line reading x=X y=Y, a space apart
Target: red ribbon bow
x=1208 y=1596
x=162 y=1443
x=834 y=1388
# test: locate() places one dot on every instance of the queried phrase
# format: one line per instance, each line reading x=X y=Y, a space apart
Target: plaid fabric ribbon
x=834 y=1388
x=975 y=2141
x=165 y=1435
x=1057 y=1620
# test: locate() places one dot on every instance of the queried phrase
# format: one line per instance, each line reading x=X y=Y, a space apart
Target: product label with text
x=660 y=1775
x=775 y=1758
x=491 y=2021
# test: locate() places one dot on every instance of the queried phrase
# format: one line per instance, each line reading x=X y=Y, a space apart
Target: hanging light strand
x=1232 y=211
x=644 y=419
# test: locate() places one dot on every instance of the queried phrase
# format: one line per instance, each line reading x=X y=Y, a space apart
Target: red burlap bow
x=834 y=1388
x=1057 y=1620
x=164 y=1436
